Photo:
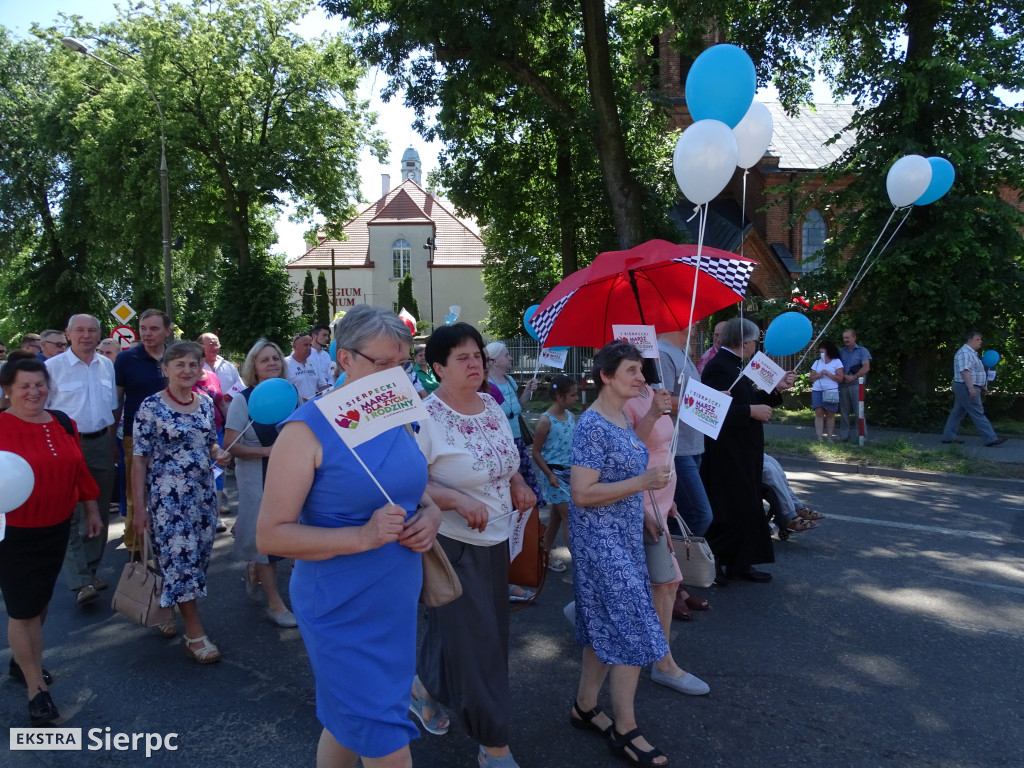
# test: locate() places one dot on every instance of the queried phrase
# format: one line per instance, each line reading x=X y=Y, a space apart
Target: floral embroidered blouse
x=477 y=456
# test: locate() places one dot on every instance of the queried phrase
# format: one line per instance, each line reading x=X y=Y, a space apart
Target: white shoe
x=690 y=684
x=570 y=613
x=284 y=619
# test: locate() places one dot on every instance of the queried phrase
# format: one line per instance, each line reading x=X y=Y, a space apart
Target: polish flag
x=406 y=317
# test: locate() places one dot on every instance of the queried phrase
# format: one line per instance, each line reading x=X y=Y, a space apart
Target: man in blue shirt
x=138 y=375
x=856 y=363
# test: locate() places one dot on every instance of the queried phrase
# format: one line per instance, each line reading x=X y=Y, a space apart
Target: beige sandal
x=207 y=654
x=168 y=629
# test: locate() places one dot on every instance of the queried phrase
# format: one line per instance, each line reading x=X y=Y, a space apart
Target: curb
x=1009 y=485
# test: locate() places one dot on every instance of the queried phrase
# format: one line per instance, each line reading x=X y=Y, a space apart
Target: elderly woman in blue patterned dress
x=175 y=447
x=615 y=618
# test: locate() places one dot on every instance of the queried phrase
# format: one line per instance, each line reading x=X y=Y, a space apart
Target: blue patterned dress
x=180 y=489
x=614 y=608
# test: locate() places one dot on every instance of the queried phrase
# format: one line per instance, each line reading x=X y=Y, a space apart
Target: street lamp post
x=431 y=247
x=78 y=46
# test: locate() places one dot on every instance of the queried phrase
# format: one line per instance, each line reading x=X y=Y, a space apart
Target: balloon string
x=702 y=222
x=871 y=250
x=861 y=272
x=682 y=380
x=743 y=219
x=882 y=250
x=239 y=435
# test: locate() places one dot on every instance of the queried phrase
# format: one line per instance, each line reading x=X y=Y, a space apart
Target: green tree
x=45 y=269
x=254 y=302
x=78 y=180
x=553 y=64
x=255 y=111
x=926 y=77
x=406 y=300
x=547 y=121
x=323 y=301
x=308 y=317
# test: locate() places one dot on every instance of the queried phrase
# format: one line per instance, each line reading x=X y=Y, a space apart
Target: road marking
x=926 y=528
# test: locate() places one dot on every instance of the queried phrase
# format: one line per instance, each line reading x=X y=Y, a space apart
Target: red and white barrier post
x=860 y=411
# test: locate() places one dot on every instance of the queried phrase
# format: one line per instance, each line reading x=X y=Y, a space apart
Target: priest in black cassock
x=731 y=470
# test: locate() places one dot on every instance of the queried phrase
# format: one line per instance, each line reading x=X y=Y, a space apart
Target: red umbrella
x=650 y=284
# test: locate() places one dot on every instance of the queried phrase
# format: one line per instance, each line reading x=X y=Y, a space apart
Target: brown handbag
x=530 y=567
x=137 y=596
x=441 y=584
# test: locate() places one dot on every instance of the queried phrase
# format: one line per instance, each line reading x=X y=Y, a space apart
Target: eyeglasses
x=380 y=365
x=57 y=344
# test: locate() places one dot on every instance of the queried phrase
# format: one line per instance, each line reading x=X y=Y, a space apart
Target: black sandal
x=585 y=720
x=621 y=744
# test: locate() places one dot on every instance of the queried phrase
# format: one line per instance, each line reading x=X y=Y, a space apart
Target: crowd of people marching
x=166 y=416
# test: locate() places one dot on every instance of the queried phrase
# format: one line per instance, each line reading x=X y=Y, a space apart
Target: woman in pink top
x=651 y=419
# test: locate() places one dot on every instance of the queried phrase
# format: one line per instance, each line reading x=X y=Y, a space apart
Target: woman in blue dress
x=615 y=618
x=358 y=568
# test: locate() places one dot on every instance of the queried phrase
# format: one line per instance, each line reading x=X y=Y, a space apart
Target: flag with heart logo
x=371 y=405
x=703 y=408
x=763 y=371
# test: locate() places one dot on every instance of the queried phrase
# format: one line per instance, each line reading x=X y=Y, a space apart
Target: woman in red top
x=32 y=550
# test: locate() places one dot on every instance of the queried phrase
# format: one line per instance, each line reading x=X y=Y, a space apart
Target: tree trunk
x=566 y=203
x=624 y=193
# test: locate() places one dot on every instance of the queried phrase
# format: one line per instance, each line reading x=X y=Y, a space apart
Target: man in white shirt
x=321 y=336
x=304 y=369
x=82 y=386
x=226 y=372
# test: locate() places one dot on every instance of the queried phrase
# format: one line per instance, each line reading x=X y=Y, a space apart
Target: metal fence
x=580 y=361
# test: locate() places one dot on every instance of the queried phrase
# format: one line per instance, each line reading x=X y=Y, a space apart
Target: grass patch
x=897 y=453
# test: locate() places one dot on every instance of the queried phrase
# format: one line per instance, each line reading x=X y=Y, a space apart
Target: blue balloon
x=272 y=401
x=943 y=174
x=450 y=318
x=721 y=85
x=333 y=349
x=990 y=359
x=530 y=312
x=787 y=334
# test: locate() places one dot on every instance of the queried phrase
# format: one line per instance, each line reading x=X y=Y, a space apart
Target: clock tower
x=411 y=166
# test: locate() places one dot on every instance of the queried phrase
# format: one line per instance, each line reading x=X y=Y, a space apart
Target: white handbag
x=696 y=561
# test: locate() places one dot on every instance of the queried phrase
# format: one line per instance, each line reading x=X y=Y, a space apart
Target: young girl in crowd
x=552 y=446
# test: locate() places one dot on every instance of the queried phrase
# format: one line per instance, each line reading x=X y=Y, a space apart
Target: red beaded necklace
x=179 y=402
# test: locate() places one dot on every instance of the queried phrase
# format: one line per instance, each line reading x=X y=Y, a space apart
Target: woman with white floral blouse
x=473 y=477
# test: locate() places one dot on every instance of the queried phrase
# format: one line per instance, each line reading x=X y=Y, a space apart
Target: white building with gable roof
x=407 y=231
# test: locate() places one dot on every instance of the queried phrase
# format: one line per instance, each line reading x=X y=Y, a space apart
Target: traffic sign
x=123 y=335
x=123 y=312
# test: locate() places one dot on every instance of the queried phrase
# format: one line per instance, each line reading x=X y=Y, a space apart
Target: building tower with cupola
x=411 y=166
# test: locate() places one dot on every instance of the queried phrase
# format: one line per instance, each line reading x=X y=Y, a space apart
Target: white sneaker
x=570 y=613
x=689 y=684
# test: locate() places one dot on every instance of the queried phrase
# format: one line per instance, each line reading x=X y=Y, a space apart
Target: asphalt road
x=890 y=636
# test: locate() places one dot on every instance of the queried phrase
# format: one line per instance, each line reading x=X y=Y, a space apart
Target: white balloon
x=704 y=160
x=455 y=309
x=16 y=481
x=908 y=179
x=753 y=134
